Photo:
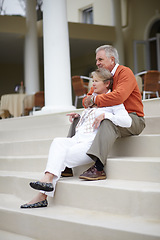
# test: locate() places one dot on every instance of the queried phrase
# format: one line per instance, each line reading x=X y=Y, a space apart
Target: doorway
x=147 y=52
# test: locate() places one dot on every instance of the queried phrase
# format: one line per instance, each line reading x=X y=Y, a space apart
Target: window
x=87 y=15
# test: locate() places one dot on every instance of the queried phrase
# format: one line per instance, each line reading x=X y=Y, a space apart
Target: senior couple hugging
x=112 y=109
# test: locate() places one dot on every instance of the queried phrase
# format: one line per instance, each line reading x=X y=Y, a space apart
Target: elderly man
x=125 y=90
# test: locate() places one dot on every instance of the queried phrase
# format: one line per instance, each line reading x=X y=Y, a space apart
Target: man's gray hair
x=110 y=52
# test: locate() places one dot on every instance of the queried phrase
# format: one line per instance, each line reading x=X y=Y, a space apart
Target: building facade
x=132 y=26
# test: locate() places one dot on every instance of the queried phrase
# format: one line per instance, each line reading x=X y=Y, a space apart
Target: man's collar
x=114 y=69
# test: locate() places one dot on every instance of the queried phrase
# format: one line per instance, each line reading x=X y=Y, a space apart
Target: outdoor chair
x=151 y=84
x=80 y=88
x=33 y=102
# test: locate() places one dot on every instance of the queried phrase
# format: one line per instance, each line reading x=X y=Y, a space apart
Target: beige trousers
x=107 y=135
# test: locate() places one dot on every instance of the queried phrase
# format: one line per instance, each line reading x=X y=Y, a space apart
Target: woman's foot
x=39 y=201
x=43 y=186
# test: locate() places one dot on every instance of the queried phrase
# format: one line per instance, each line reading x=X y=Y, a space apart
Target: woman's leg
x=73 y=154
x=41 y=196
x=38 y=198
x=47 y=178
x=57 y=155
x=76 y=155
x=55 y=165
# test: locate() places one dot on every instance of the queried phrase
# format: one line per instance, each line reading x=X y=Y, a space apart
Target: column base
x=50 y=109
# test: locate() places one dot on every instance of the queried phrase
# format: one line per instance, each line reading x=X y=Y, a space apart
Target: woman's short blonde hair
x=104 y=75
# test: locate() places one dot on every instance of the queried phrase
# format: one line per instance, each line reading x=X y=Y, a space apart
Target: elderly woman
x=71 y=152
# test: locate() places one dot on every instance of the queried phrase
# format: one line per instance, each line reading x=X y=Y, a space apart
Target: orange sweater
x=125 y=90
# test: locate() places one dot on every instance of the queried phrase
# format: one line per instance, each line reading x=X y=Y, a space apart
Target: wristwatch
x=92 y=101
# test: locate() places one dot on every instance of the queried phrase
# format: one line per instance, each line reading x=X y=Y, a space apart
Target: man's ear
x=112 y=60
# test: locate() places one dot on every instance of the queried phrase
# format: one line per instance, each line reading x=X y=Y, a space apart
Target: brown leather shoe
x=67 y=172
x=93 y=174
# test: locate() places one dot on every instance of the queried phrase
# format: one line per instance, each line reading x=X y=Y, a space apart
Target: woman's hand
x=98 y=120
x=72 y=116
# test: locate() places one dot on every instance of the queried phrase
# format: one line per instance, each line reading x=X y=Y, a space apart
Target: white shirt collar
x=95 y=94
x=114 y=69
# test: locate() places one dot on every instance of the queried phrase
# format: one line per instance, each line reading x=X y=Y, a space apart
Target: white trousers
x=66 y=152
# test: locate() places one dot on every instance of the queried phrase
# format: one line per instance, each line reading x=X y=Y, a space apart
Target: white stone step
x=34 y=127
x=32 y=134
x=25 y=148
x=45 y=131
x=13 y=236
x=23 y=163
x=51 y=126
x=142 y=146
x=61 y=222
x=134 y=168
x=152 y=107
x=152 y=125
x=126 y=168
x=137 y=146
x=111 y=196
x=129 y=168
x=36 y=122
x=114 y=209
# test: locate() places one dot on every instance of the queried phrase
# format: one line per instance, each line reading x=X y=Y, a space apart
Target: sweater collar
x=114 y=69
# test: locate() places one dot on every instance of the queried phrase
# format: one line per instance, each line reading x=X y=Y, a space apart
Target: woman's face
x=99 y=86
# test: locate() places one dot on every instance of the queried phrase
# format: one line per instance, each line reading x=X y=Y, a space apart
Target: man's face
x=102 y=61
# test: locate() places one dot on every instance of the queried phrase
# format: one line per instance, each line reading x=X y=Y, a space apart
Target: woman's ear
x=107 y=84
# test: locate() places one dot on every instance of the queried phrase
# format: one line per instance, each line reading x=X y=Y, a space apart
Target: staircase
x=126 y=206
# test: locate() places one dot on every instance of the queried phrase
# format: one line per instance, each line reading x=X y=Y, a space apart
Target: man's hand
x=88 y=102
x=98 y=120
x=72 y=116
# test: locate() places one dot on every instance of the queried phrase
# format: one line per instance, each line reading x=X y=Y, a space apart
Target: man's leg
x=103 y=142
x=105 y=138
x=99 y=150
x=138 y=124
x=72 y=128
x=68 y=171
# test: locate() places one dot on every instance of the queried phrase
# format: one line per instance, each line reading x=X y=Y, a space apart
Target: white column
x=31 y=66
x=119 y=43
x=57 y=77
